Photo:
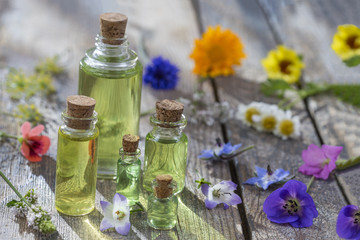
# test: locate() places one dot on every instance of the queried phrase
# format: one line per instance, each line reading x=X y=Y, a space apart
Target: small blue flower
x=265 y=177
x=223 y=192
x=291 y=204
x=220 y=152
x=116 y=214
x=161 y=74
x=348 y=222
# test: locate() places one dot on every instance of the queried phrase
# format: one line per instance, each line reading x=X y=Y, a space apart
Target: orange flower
x=216 y=52
x=32 y=143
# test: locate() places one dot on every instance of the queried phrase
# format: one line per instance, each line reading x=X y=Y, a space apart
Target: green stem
x=143 y=114
x=137 y=210
x=14 y=189
x=342 y=164
x=7 y=114
x=225 y=157
x=309 y=184
x=3 y=134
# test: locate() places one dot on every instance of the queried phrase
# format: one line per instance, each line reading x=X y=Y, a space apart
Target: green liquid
x=76 y=167
x=128 y=180
x=165 y=156
x=118 y=97
x=162 y=213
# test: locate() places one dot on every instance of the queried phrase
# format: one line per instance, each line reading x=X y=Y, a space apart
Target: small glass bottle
x=112 y=74
x=76 y=164
x=162 y=203
x=166 y=145
x=129 y=169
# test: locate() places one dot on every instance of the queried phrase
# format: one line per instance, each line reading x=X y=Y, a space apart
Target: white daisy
x=247 y=113
x=268 y=118
x=288 y=126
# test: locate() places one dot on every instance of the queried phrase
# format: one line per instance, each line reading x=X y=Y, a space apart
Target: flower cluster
x=269 y=118
x=217 y=52
x=283 y=64
x=346 y=44
x=29 y=113
x=161 y=74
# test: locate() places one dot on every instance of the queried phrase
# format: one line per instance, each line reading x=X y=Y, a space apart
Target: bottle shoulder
x=78 y=135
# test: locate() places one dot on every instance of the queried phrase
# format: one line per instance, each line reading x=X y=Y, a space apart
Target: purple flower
x=348 y=222
x=220 y=152
x=116 y=215
x=267 y=177
x=320 y=162
x=161 y=74
x=223 y=192
x=291 y=204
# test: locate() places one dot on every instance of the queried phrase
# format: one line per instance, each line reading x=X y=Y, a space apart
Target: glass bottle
x=166 y=145
x=112 y=74
x=76 y=164
x=129 y=169
x=162 y=203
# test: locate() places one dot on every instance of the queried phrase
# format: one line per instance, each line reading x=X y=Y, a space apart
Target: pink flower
x=320 y=162
x=32 y=143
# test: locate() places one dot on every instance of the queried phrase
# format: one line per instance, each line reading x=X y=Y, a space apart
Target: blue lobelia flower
x=223 y=192
x=161 y=74
x=220 y=152
x=348 y=222
x=116 y=215
x=291 y=204
x=264 y=178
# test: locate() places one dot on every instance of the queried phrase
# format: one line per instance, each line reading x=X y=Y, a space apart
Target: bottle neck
x=129 y=157
x=78 y=126
x=119 y=47
x=168 y=129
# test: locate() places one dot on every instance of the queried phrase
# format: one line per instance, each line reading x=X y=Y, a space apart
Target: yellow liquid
x=76 y=167
x=118 y=97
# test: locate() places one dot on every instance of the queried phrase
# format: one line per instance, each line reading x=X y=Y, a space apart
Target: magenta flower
x=116 y=214
x=291 y=204
x=320 y=162
x=348 y=222
x=223 y=192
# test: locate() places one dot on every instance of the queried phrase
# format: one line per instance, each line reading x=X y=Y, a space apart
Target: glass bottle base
x=102 y=175
x=73 y=213
x=161 y=224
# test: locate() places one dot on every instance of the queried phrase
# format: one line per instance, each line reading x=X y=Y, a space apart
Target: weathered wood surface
x=168 y=29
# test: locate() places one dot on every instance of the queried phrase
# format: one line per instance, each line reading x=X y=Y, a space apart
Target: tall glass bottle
x=166 y=145
x=129 y=169
x=76 y=164
x=162 y=203
x=112 y=74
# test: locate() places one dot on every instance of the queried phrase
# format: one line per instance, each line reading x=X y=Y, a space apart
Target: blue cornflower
x=161 y=74
x=291 y=204
x=265 y=177
x=348 y=222
x=219 y=152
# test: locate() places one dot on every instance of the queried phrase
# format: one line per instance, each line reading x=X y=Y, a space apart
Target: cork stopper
x=130 y=143
x=113 y=26
x=169 y=110
x=163 y=190
x=78 y=106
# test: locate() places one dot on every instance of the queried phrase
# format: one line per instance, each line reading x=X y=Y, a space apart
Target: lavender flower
x=348 y=222
x=267 y=177
x=291 y=204
x=223 y=192
x=161 y=74
x=116 y=215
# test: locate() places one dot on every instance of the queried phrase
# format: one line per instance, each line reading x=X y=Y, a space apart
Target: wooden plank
x=337 y=122
x=269 y=149
x=76 y=25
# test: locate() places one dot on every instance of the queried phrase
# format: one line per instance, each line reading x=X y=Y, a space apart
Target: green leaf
x=275 y=87
x=348 y=93
x=12 y=203
x=342 y=164
x=352 y=62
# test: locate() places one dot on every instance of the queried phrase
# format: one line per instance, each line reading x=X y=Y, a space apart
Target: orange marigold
x=216 y=52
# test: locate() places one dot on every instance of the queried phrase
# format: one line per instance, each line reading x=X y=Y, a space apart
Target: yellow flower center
x=286 y=127
x=120 y=214
x=351 y=41
x=284 y=66
x=268 y=123
x=249 y=113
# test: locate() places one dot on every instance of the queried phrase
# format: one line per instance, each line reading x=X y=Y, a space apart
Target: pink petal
x=25 y=129
x=313 y=156
x=39 y=144
x=332 y=152
x=324 y=174
x=25 y=149
x=36 y=130
x=309 y=170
